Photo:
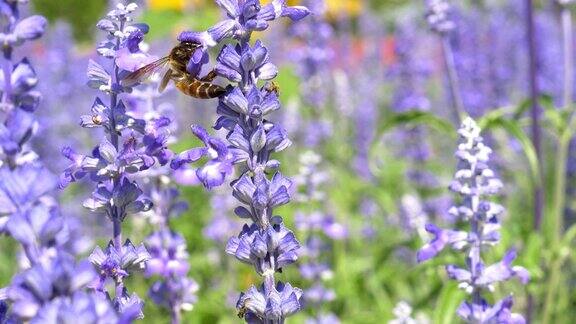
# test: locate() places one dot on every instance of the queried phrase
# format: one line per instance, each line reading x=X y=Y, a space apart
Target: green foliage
x=82 y=15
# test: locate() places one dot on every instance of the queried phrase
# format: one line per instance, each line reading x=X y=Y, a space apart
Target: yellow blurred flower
x=176 y=4
x=352 y=7
x=335 y=7
x=167 y=4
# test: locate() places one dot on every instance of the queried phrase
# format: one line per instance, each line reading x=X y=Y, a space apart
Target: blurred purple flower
x=45 y=283
x=168 y=255
x=474 y=181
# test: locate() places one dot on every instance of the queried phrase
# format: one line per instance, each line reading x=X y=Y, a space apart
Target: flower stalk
x=474 y=182
x=131 y=146
x=251 y=139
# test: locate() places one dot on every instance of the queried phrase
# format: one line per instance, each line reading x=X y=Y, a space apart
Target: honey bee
x=242 y=309
x=177 y=60
x=242 y=312
x=273 y=87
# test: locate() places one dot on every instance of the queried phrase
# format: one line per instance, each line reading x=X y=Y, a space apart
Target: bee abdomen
x=199 y=89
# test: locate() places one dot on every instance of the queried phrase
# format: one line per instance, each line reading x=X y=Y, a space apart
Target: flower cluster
x=252 y=138
x=50 y=292
x=474 y=181
x=19 y=97
x=131 y=146
x=439 y=16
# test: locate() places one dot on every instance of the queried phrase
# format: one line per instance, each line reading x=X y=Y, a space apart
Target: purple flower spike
x=134 y=145
x=250 y=142
x=475 y=182
x=244 y=17
x=49 y=285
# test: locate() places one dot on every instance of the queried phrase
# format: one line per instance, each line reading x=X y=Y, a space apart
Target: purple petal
x=222 y=30
x=295 y=13
x=31 y=27
x=230 y=6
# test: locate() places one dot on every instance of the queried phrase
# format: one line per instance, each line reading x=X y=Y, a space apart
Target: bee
x=201 y=88
x=242 y=312
x=273 y=87
x=242 y=309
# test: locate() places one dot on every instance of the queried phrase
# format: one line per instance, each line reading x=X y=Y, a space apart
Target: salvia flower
x=319 y=228
x=439 y=16
x=132 y=145
x=219 y=166
x=42 y=283
x=313 y=59
x=475 y=182
x=244 y=17
x=28 y=212
x=168 y=255
x=251 y=139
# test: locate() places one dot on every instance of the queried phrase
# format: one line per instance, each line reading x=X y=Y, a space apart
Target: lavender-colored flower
x=221 y=226
x=313 y=59
x=131 y=145
x=244 y=17
x=168 y=257
x=115 y=263
x=37 y=292
x=91 y=308
x=317 y=227
x=28 y=212
x=474 y=181
x=251 y=140
x=438 y=16
x=213 y=173
x=255 y=247
x=176 y=295
x=272 y=305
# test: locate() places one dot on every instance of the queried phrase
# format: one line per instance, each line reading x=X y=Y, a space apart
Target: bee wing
x=144 y=72
x=165 y=79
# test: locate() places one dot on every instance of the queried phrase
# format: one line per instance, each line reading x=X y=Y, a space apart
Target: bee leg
x=209 y=77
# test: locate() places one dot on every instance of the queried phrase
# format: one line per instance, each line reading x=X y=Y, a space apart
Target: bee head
x=183 y=52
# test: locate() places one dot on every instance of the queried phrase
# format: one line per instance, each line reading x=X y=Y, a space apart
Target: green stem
x=556 y=224
x=557 y=221
x=560 y=255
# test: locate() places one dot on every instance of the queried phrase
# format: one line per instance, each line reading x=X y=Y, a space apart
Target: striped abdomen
x=199 y=89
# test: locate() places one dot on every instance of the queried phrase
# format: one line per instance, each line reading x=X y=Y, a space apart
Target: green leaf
x=513 y=128
x=448 y=301
x=533 y=255
x=554 y=118
x=416 y=117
